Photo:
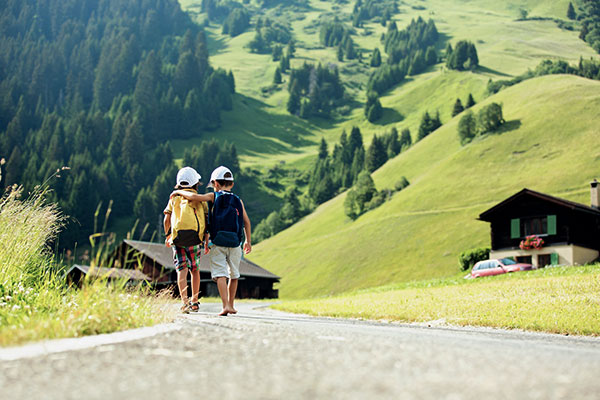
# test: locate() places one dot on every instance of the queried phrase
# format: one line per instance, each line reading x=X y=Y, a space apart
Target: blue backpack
x=226 y=220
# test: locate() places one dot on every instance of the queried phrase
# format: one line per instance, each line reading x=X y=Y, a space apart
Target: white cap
x=187 y=177
x=220 y=173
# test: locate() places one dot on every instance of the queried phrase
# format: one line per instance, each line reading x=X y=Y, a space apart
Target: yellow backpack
x=188 y=222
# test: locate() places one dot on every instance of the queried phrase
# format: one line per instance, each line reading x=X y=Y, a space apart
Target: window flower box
x=531 y=242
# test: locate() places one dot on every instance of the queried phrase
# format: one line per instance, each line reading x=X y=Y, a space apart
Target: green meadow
x=266 y=134
x=561 y=300
x=546 y=144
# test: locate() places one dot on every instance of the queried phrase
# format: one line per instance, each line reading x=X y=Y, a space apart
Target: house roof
x=131 y=274
x=163 y=255
x=488 y=214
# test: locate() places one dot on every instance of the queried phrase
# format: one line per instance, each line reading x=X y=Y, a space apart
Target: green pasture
x=547 y=145
x=561 y=300
x=267 y=135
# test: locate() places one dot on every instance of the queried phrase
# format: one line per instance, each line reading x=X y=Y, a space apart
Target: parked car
x=497 y=267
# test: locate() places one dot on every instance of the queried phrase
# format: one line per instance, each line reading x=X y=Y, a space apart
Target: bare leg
x=233 y=284
x=195 y=285
x=222 y=286
x=182 y=284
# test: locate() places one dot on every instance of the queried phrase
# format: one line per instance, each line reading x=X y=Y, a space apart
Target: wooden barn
x=156 y=261
x=570 y=231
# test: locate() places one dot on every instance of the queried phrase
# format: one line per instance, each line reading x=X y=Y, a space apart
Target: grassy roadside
x=563 y=300
x=35 y=304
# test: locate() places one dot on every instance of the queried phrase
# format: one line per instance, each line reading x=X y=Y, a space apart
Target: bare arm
x=194 y=196
x=167 y=225
x=247 y=231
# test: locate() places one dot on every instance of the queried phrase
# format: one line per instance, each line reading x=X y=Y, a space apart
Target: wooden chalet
x=156 y=261
x=570 y=230
x=77 y=273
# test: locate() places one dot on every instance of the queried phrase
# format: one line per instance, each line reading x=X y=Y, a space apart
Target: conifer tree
x=470 y=101
x=405 y=138
x=376 y=155
x=458 y=108
x=376 y=58
x=571 y=12
x=277 y=76
x=424 y=126
x=393 y=144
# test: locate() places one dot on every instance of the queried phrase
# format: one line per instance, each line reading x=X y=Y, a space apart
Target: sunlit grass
x=559 y=300
x=35 y=302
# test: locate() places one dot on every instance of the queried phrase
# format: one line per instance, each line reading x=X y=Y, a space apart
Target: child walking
x=185 y=228
x=228 y=223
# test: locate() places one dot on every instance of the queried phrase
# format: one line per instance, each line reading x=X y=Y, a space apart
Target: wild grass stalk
x=36 y=303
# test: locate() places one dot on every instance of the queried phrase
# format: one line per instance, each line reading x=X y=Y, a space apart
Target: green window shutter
x=551 y=224
x=515 y=228
x=554 y=258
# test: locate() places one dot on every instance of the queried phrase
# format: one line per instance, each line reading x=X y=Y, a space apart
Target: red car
x=497 y=267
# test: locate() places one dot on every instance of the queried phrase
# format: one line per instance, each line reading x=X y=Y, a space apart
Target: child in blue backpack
x=228 y=222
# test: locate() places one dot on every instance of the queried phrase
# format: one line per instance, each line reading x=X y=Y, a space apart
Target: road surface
x=264 y=354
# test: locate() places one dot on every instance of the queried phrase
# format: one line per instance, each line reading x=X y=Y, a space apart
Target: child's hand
x=247 y=248
x=206 y=249
x=168 y=241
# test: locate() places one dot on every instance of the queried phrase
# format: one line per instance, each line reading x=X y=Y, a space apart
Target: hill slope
x=548 y=145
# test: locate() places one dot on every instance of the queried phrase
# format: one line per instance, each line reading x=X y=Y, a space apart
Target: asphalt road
x=264 y=354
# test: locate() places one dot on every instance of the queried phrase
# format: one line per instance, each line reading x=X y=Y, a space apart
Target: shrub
x=468 y=258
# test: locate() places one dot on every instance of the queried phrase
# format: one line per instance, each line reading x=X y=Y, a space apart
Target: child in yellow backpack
x=185 y=224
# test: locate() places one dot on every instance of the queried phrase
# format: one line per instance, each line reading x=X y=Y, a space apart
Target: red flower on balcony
x=531 y=242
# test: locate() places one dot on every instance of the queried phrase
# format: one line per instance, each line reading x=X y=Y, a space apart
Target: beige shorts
x=225 y=261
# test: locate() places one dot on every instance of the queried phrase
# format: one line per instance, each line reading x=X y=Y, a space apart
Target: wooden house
x=77 y=273
x=570 y=231
x=156 y=261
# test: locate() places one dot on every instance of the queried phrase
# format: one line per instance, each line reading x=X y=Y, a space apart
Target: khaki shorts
x=225 y=262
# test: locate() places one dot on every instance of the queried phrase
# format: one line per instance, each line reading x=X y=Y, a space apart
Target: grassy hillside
x=506 y=45
x=547 y=145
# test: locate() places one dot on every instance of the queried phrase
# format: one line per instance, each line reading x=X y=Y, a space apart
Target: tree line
x=589 y=16
x=586 y=68
x=314 y=90
x=347 y=166
x=369 y=9
x=409 y=51
x=97 y=86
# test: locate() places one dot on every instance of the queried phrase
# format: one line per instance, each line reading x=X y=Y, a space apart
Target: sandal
x=185 y=308
x=194 y=307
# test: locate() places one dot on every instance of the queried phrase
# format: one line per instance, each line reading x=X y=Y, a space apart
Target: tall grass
x=35 y=302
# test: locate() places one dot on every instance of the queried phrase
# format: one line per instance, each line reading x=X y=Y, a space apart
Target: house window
x=544 y=259
x=534 y=226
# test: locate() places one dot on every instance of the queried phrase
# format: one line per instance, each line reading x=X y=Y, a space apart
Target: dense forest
x=99 y=86
x=590 y=21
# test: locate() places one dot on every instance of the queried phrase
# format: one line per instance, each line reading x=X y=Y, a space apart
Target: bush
x=468 y=258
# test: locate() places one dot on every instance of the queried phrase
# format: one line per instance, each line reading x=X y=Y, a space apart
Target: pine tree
x=277 y=76
x=571 y=12
x=405 y=138
x=376 y=58
x=293 y=104
x=323 y=152
x=470 y=101
x=340 y=53
x=458 y=108
x=376 y=155
x=424 y=126
x=393 y=144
